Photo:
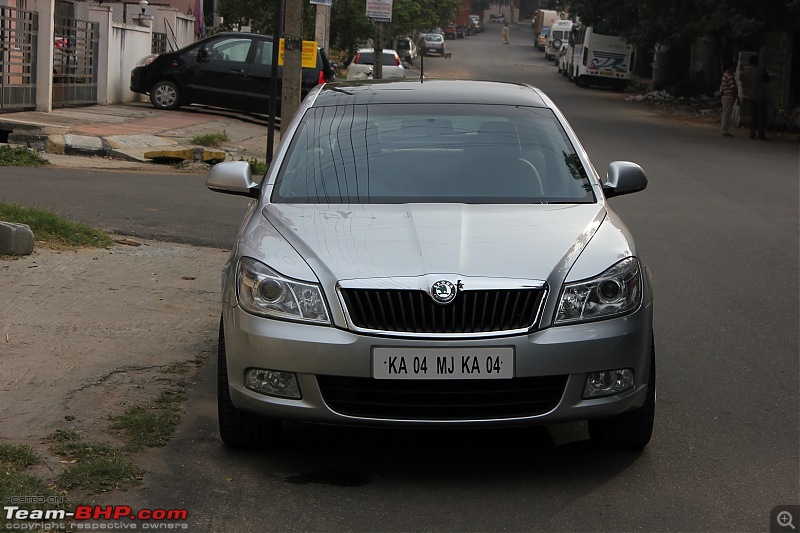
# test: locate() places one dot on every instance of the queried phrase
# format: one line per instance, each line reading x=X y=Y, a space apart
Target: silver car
x=432 y=43
x=434 y=254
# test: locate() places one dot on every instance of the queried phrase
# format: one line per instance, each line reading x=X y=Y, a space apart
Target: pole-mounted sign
x=379 y=10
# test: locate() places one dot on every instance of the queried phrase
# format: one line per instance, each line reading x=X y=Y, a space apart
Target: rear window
x=428 y=153
x=433 y=38
x=368 y=58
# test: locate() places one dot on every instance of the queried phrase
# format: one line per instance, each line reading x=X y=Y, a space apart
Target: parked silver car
x=432 y=43
x=434 y=254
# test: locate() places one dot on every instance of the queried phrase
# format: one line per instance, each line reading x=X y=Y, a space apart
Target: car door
x=216 y=75
x=259 y=73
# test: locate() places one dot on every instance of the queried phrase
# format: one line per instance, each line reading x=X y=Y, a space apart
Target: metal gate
x=18 y=30
x=75 y=48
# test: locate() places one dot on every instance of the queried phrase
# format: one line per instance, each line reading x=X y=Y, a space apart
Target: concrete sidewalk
x=137 y=132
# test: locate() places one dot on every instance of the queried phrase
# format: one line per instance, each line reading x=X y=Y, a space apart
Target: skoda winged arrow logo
x=443 y=292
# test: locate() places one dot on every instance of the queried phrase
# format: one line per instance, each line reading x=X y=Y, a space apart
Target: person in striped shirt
x=730 y=94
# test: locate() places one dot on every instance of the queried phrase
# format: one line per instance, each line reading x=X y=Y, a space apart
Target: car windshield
x=426 y=153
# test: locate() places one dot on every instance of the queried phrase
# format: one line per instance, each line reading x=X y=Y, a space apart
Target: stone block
x=15 y=239
x=84 y=145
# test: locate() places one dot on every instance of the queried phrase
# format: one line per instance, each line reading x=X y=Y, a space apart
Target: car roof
x=237 y=34
x=430 y=92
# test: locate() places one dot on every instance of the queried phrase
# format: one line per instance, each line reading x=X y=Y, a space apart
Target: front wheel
x=165 y=95
x=633 y=429
x=237 y=428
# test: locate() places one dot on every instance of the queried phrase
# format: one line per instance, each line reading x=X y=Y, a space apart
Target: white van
x=559 y=34
x=601 y=60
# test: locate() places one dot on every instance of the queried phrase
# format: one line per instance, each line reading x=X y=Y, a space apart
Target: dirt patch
x=698 y=110
x=86 y=333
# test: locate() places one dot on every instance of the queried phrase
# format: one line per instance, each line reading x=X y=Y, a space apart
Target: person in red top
x=729 y=94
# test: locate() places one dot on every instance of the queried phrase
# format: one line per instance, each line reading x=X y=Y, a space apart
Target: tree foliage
x=741 y=22
x=349 y=24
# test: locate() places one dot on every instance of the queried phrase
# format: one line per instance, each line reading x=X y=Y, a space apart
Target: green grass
x=64 y=435
x=92 y=466
x=52 y=229
x=99 y=474
x=19 y=156
x=213 y=140
x=17 y=456
x=15 y=482
x=147 y=426
x=257 y=167
x=81 y=451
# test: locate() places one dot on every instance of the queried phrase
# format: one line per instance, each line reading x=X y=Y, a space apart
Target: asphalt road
x=718 y=227
x=169 y=206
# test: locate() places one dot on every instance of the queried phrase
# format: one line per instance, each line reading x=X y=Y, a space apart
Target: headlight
x=146 y=60
x=264 y=292
x=616 y=291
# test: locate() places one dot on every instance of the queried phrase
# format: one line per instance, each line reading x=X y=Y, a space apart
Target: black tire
x=165 y=94
x=237 y=428
x=631 y=430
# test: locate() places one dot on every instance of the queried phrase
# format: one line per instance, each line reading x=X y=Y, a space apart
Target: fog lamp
x=273 y=382
x=608 y=382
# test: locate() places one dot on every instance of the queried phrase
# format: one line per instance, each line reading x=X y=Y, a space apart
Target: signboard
x=379 y=10
x=309 y=54
x=322 y=2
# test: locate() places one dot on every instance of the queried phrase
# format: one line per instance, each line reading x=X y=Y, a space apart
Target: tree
x=483 y=5
x=740 y=23
x=349 y=24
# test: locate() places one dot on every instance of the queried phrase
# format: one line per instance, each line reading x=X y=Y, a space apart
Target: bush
x=20 y=156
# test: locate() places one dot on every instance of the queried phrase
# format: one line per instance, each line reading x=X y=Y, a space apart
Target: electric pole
x=322 y=26
x=377 y=65
x=292 y=60
x=277 y=30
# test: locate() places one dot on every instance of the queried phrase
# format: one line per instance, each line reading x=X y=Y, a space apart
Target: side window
x=264 y=53
x=229 y=49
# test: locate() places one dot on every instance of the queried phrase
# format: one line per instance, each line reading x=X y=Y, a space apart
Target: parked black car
x=230 y=70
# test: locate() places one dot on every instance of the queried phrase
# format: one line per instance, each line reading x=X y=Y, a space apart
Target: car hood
x=531 y=242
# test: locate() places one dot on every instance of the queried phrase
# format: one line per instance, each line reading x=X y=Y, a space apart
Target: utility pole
x=322 y=27
x=377 y=67
x=277 y=30
x=292 y=60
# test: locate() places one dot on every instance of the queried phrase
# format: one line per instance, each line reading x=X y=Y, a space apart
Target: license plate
x=443 y=363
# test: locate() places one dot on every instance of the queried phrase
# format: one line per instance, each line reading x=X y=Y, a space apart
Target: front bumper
x=564 y=355
x=137 y=81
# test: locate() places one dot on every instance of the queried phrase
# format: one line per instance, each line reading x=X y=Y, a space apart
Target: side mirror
x=233 y=177
x=624 y=178
x=202 y=55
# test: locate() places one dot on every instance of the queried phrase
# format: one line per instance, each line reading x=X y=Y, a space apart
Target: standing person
x=730 y=94
x=754 y=81
x=505 y=34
